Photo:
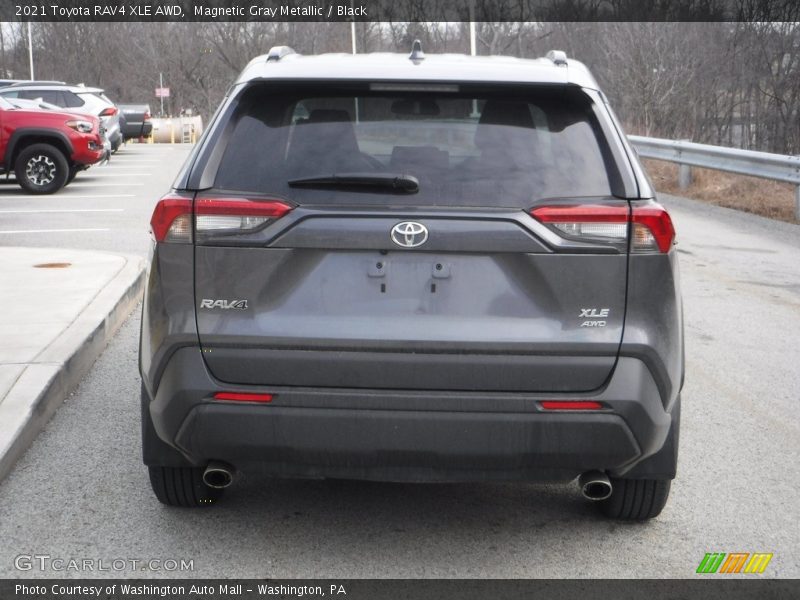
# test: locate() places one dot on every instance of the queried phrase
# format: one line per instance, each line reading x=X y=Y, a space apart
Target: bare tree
x=723 y=83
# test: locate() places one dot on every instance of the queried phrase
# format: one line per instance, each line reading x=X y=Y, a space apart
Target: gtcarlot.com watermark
x=59 y=564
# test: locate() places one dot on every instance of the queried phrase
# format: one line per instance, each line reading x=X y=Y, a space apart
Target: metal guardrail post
x=797 y=202
x=684 y=176
x=684 y=171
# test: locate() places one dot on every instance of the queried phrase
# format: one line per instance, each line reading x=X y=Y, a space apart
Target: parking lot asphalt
x=107 y=207
x=82 y=492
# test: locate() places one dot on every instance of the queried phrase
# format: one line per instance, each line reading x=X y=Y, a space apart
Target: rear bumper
x=136 y=129
x=406 y=445
x=403 y=435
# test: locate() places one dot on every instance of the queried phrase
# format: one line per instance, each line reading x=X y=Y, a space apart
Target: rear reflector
x=172 y=217
x=652 y=229
x=570 y=405
x=243 y=397
x=109 y=112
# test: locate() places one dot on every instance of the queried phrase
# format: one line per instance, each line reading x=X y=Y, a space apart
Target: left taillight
x=650 y=224
x=172 y=220
x=173 y=215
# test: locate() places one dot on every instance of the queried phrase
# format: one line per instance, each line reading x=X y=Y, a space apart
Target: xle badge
x=592 y=315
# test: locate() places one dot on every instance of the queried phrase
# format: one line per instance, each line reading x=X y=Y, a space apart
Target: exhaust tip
x=595 y=485
x=218 y=475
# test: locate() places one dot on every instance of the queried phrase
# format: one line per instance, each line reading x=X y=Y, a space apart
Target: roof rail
x=278 y=52
x=35 y=82
x=557 y=57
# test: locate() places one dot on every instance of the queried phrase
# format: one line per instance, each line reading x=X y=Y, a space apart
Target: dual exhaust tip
x=595 y=485
x=219 y=475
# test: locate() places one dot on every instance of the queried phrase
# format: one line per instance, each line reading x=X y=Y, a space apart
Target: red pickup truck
x=45 y=149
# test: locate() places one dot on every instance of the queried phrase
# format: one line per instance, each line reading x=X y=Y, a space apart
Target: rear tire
x=182 y=486
x=636 y=499
x=41 y=169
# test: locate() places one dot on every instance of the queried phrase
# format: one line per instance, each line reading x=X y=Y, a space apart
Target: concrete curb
x=43 y=386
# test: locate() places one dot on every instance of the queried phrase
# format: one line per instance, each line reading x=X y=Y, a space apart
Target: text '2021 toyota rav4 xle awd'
x=440 y=268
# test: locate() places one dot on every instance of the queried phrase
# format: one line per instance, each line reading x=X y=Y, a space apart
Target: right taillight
x=650 y=225
x=172 y=217
x=652 y=229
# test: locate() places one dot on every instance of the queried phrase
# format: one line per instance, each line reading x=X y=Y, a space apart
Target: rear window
x=504 y=149
x=51 y=96
x=73 y=100
x=93 y=99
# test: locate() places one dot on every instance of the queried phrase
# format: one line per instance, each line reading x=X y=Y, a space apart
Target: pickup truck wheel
x=182 y=486
x=636 y=499
x=41 y=169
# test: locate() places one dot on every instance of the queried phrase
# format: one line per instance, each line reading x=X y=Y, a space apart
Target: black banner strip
x=400 y=10
x=706 y=587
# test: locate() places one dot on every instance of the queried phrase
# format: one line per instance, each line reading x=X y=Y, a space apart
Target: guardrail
x=687 y=154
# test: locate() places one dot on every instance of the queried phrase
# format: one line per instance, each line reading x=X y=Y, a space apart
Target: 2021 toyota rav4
x=413 y=268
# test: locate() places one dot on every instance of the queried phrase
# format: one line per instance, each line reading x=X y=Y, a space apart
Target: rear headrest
x=325 y=141
x=499 y=112
x=328 y=115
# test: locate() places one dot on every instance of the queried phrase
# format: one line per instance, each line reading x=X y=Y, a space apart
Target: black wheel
x=73 y=171
x=41 y=169
x=182 y=486
x=636 y=499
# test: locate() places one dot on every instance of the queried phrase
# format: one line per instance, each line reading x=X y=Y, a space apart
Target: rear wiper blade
x=401 y=184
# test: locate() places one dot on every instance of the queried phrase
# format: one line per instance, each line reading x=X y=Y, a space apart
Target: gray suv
x=413 y=268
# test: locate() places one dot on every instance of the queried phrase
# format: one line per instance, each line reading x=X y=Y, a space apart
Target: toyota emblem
x=409 y=234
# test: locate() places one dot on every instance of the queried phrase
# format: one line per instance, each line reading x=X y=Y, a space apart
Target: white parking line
x=120 y=167
x=61 y=210
x=50 y=230
x=70 y=196
x=80 y=184
x=119 y=175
